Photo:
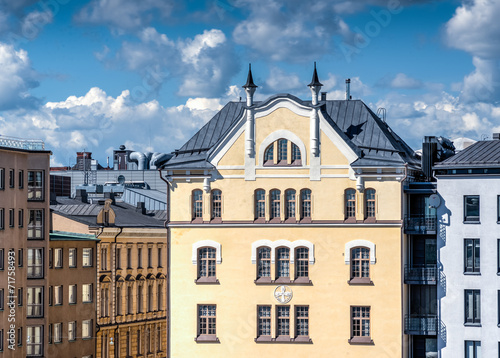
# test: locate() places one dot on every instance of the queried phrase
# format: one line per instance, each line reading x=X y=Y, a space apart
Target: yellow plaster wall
x=330 y=154
x=61 y=223
x=329 y=297
x=236 y=154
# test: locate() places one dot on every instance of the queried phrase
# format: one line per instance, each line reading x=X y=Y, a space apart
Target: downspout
x=402 y=260
x=167 y=221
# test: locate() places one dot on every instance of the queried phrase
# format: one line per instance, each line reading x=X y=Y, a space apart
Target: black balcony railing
x=420 y=224
x=421 y=275
x=422 y=325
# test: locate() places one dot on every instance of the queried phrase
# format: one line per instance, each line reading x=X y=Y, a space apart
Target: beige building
x=72 y=295
x=286 y=231
x=130 y=282
x=24 y=244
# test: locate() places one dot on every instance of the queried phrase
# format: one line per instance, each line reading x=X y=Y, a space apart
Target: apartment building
x=286 y=231
x=468 y=251
x=130 y=289
x=24 y=244
x=72 y=294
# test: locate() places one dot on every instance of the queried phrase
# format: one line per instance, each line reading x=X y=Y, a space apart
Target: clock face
x=283 y=294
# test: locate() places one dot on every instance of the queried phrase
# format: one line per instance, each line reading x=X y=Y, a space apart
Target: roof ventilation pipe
x=157 y=158
x=140 y=158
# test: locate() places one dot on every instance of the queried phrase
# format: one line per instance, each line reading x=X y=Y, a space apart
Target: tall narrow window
x=71 y=331
x=498 y=209
x=260 y=204
x=87 y=257
x=21 y=179
x=20 y=217
x=160 y=260
x=301 y=263
x=150 y=257
x=283 y=322
x=282 y=151
x=264 y=322
x=360 y=324
x=104 y=258
x=2 y=178
x=206 y=322
x=471 y=208
x=159 y=303
x=35 y=185
x=283 y=263
x=2 y=219
x=269 y=155
x=139 y=257
x=275 y=204
x=58 y=258
x=35 y=225
x=118 y=258
x=119 y=293
x=150 y=298
x=72 y=257
x=305 y=203
x=87 y=329
x=12 y=178
x=139 y=350
x=197 y=204
x=301 y=321
x=296 y=158
x=35 y=302
x=290 y=203
x=130 y=300
x=473 y=307
x=206 y=264
x=350 y=204
x=369 y=203
x=264 y=262
x=11 y=218
x=472 y=256
x=140 y=298
x=472 y=349
x=87 y=293
x=34 y=344
x=129 y=257
x=72 y=294
x=216 y=204
x=360 y=265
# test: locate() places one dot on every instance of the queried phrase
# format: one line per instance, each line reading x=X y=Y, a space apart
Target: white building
x=468 y=251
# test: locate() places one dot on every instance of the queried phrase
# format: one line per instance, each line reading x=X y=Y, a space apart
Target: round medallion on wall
x=283 y=294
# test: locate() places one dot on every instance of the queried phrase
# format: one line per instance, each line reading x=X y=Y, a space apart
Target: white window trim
x=206 y=243
x=356 y=243
x=285 y=134
x=280 y=243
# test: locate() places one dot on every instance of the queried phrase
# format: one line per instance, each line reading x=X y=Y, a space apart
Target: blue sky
x=94 y=74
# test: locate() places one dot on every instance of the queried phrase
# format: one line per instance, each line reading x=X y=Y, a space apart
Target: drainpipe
x=402 y=260
x=167 y=221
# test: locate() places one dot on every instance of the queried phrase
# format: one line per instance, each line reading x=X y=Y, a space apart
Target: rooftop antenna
x=348 y=89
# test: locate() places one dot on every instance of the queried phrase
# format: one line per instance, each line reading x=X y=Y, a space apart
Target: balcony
x=421 y=325
x=18 y=143
x=420 y=275
x=420 y=224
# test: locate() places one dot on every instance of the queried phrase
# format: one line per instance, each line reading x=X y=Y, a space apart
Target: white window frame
x=87 y=329
x=87 y=293
x=206 y=243
x=359 y=243
x=292 y=245
x=87 y=262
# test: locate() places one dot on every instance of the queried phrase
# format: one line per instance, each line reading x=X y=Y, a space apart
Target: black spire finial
x=249 y=78
x=315 y=80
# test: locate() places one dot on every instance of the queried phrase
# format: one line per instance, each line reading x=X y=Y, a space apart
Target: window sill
x=360 y=281
x=472 y=222
x=197 y=221
x=207 y=281
x=281 y=280
x=283 y=339
x=275 y=221
x=216 y=221
x=360 y=340
x=370 y=220
x=472 y=325
x=472 y=273
x=207 y=338
x=350 y=221
x=260 y=221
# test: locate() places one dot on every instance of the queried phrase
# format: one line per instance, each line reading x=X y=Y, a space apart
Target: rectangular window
x=11 y=178
x=472 y=349
x=35 y=302
x=2 y=178
x=20 y=336
x=20 y=257
x=473 y=307
x=20 y=218
x=2 y=218
x=1 y=299
x=87 y=257
x=118 y=258
x=471 y=208
x=58 y=258
x=471 y=256
x=290 y=204
x=260 y=204
x=139 y=257
x=20 y=296
x=11 y=218
x=1 y=340
x=302 y=321
x=104 y=258
x=58 y=295
x=360 y=324
x=301 y=262
x=34 y=341
x=35 y=225
x=275 y=204
x=283 y=262
x=72 y=257
x=35 y=185
x=72 y=331
x=159 y=258
x=206 y=321
x=2 y=257
x=51 y=258
x=87 y=329
x=150 y=257
x=264 y=323
x=51 y=294
x=72 y=294
x=282 y=321
x=21 y=179
x=129 y=257
x=305 y=203
x=87 y=293
x=498 y=208
x=57 y=332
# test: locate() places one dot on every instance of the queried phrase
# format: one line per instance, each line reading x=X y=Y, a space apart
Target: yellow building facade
x=285 y=232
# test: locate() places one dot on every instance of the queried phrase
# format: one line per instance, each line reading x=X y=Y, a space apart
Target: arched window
x=260 y=204
x=305 y=203
x=296 y=157
x=197 y=204
x=350 y=204
x=264 y=263
x=290 y=203
x=275 y=204
x=301 y=262
x=360 y=265
x=282 y=263
x=282 y=152
x=370 y=204
x=216 y=204
x=269 y=155
x=206 y=263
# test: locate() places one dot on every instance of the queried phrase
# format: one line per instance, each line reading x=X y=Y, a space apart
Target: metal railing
x=18 y=143
x=421 y=274
x=421 y=324
x=420 y=224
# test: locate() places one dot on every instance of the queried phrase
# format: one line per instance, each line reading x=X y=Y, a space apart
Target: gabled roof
x=480 y=154
x=368 y=136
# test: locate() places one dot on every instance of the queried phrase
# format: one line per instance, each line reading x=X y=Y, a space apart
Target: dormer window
x=282 y=153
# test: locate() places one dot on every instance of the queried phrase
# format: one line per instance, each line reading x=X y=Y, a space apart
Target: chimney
x=81 y=194
x=348 y=89
x=323 y=96
x=141 y=207
x=429 y=155
x=496 y=136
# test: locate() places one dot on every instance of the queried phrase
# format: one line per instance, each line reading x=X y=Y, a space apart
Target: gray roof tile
x=479 y=154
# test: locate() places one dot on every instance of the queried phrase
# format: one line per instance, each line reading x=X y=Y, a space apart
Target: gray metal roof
x=480 y=154
x=367 y=135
